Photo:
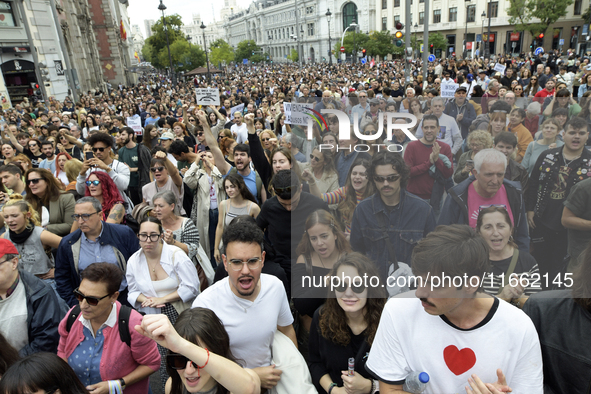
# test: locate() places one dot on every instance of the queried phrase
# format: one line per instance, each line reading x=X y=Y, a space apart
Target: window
x=421 y=1
x=384 y=23
x=453 y=14
x=384 y=4
x=578 y=6
x=421 y=18
x=310 y=29
x=493 y=7
x=471 y=13
x=7 y=14
x=436 y=16
x=349 y=14
x=396 y=3
x=396 y=19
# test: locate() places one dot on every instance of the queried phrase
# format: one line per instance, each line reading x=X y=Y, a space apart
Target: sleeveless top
x=32 y=256
x=235 y=212
x=165 y=286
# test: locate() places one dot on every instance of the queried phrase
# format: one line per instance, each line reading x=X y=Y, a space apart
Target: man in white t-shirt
x=452 y=330
x=252 y=306
x=239 y=128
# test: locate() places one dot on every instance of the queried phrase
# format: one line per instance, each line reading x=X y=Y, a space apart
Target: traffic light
x=399 y=26
x=541 y=36
x=431 y=46
x=36 y=89
x=364 y=51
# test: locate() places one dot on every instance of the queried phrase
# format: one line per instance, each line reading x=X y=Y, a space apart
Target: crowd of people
x=209 y=244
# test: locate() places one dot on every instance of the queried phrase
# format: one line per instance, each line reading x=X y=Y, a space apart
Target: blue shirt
x=86 y=358
x=48 y=165
x=151 y=120
x=97 y=252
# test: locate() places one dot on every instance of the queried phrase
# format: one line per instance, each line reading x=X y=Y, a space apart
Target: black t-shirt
x=35 y=160
x=525 y=262
x=397 y=93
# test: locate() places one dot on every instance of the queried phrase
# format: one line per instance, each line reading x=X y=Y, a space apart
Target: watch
x=122 y=381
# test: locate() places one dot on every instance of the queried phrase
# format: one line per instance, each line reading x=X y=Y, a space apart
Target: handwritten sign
x=297 y=113
x=135 y=122
x=448 y=90
x=207 y=96
x=500 y=68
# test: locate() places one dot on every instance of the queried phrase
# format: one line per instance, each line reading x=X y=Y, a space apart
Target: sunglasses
x=356 y=289
x=283 y=190
x=199 y=134
x=95 y=182
x=159 y=169
x=389 y=178
x=98 y=149
x=92 y=301
x=178 y=361
x=32 y=145
x=34 y=181
x=267 y=139
x=373 y=105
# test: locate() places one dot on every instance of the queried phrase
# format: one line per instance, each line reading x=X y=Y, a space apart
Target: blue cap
x=424 y=377
x=470 y=77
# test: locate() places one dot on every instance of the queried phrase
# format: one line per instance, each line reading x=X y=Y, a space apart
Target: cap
x=481 y=71
x=167 y=136
x=588 y=68
x=351 y=90
x=64 y=126
x=374 y=101
x=7 y=247
x=470 y=77
x=461 y=89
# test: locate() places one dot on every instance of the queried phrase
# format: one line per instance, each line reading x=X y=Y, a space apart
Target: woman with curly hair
x=345 y=327
x=227 y=146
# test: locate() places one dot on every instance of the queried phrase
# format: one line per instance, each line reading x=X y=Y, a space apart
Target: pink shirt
x=476 y=201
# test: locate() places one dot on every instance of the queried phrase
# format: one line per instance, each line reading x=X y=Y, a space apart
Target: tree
x=438 y=40
x=246 y=50
x=221 y=52
x=523 y=12
x=353 y=42
x=185 y=56
x=380 y=44
x=293 y=56
x=157 y=41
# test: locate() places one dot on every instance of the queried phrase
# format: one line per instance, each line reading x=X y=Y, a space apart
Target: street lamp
x=487 y=53
x=466 y=32
x=302 y=59
x=328 y=15
x=295 y=38
x=206 y=55
x=354 y=26
x=483 y=17
x=162 y=7
x=416 y=27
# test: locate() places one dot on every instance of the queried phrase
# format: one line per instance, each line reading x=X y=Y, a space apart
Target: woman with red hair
x=60 y=172
x=100 y=186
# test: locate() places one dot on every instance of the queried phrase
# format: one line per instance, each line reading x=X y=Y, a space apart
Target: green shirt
x=130 y=157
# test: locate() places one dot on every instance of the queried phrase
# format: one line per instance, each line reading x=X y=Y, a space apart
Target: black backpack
x=124 y=315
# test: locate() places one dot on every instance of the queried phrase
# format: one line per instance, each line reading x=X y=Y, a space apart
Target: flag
x=122 y=31
x=137 y=56
x=372 y=63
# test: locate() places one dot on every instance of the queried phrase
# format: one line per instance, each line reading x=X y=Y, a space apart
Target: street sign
x=343 y=49
x=538 y=51
x=478 y=37
x=244 y=61
x=431 y=58
x=363 y=60
x=453 y=53
x=561 y=42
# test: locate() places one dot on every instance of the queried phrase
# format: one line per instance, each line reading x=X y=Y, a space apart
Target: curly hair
x=225 y=145
x=111 y=194
x=333 y=319
x=385 y=158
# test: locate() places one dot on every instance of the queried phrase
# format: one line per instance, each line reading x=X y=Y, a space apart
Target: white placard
x=448 y=90
x=207 y=96
x=135 y=122
x=500 y=68
x=238 y=108
x=297 y=113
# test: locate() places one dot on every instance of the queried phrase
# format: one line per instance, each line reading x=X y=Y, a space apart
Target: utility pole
x=297 y=33
x=407 y=32
x=426 y=43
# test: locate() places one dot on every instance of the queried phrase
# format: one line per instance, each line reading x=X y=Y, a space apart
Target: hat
x=588 y=68
x=351 y=90
x=470 y=77
x=374 y=101
x=167 y=136
x=461 y=89
x=481 y=71
x=63 y=126
x=7 y=247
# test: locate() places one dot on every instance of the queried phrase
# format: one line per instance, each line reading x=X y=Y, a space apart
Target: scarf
x=23 y=236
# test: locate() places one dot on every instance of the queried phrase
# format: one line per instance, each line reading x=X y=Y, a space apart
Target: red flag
x=372 y=63
x=122 y=31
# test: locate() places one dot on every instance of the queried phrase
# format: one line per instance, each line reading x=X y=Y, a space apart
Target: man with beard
x=326 y=99
x=238 y=128
x=49 y=151
x=422 y=156
x=248 y=301
x=133 y=154
x=390 y=215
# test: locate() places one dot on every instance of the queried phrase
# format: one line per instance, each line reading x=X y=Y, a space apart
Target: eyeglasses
x=34 y=181
x=84 y=216
x=159 y=169
x=252 y=264
x=480 y=208
x=152 y=237
x=356 y=289
x=312 y=157
x=389 y=178
x=95 y=182
x=32 y=145
x=373 y=105
x=199 y=134
x=92 y=301
x=265 y=139
x=98 y=149
x=283 y=190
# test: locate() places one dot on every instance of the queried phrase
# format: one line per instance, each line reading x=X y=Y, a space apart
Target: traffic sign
x=538 y=51
x=343 y=49
x=363 y=60
x=431 y=58
x=561 y=42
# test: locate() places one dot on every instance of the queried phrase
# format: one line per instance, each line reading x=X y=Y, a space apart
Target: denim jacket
x=408 y=223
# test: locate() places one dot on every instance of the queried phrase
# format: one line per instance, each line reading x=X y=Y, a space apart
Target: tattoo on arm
x=117 y=213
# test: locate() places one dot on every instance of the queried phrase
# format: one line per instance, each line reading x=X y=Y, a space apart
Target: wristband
x=332 y=386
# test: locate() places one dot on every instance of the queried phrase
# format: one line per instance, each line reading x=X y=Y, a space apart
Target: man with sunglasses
x=101 y=144
x=30 y=311
x=95 y=241
x=391 y=215
x=251 y=305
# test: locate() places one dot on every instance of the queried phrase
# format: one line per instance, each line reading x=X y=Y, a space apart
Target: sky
x=140 y=10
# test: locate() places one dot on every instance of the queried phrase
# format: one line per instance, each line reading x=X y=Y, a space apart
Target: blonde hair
x=482 y=137
x=17 y=200
x=72 y=169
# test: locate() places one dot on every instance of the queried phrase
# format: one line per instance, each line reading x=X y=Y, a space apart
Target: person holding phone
x=477 y=141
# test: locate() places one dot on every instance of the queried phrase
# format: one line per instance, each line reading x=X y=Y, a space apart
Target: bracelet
x=332 y=386
x=201 y=367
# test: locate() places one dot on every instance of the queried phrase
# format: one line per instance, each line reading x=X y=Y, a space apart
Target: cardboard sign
x=135 y=122
x=297 y=113
x=500 y=68
x=238 y=108
x=208 y=96
x=448 y=90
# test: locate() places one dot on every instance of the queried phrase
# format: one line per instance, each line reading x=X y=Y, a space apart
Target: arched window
x=349 y=14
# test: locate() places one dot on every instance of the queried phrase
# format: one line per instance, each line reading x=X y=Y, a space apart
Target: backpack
x=124 y=315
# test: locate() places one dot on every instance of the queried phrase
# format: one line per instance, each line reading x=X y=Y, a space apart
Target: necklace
x=322 y=262
x=567 y=164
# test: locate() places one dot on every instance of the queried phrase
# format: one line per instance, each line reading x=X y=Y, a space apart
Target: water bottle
x=416 y=382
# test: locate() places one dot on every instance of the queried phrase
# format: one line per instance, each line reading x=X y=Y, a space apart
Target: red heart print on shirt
x=459 y=361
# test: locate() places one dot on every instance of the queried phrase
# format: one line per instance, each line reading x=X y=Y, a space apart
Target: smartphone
x=470 y=162
x=89 y=155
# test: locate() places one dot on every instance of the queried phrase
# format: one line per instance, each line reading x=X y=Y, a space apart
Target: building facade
x=194 y=33
x=455 y=19
x=148 y=23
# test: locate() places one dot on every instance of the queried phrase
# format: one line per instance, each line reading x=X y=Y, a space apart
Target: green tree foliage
x=353 y=42
x=293 y=56
x=221 y=52
x=247 y=49
x=185 y=56
x=380 y=44
x=523 y=12
x=156 y=44
x=438 y=40
x=586 y=15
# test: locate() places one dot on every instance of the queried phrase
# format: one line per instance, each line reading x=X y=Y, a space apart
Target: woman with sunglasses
x=322 y=245
x=92 y=346
x=322 y=171
x=345 y=327
x=513 y=271
x=45 y=192
x=166 y=177
x=52 y=376
x=199 y=358
x=240 y=202
x=268 y=140
x=532 y=87
x=161 y=278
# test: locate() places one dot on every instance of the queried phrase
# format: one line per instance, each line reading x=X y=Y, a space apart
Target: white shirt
x=111 y=320
x=241 y=133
